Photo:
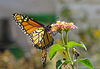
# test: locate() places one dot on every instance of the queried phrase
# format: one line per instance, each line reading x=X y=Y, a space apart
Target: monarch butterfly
x=38 y=33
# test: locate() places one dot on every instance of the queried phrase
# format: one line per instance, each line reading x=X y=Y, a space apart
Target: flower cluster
x=62 y=26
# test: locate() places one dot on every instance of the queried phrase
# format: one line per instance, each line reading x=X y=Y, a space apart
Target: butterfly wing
x=40 y=37
x=27 y=24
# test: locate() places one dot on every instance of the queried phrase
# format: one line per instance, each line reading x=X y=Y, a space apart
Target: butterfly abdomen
x=43 y=57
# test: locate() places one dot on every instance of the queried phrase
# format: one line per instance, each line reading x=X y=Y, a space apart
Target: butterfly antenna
x=54 y=20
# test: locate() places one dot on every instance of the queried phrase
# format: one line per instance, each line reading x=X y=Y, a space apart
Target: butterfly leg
x=53 y=33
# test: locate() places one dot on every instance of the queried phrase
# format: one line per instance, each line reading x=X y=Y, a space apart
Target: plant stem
x=68 y=50
x=68 y=54
x=72 y=67
x=67 y=37
x=67 y=45
x=73 y=58
x=62 y=37
x=76 y=63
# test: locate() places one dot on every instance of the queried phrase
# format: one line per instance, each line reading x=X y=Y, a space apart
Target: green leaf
x=86 y=62
x=54 y=50
x=82 y=45
x=72 y=44
x=67 y=61
x=59 y=63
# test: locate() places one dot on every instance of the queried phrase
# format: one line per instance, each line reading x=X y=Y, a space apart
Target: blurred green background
x=16 y=51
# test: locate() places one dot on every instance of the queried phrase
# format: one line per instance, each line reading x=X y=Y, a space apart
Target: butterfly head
x=48 y=27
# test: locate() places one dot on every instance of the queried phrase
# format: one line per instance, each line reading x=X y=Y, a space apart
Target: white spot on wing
x=25 y=19
x=22 y=17
x=24 y=32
